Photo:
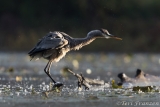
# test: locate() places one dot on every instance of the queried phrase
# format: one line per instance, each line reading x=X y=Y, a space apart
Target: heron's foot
x=57 y=86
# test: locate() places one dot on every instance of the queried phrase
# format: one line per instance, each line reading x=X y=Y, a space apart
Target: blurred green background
x=24 y=22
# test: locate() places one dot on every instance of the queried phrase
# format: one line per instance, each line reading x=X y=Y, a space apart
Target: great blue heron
x=55 y=45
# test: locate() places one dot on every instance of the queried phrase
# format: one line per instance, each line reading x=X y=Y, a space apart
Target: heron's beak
x=114 y=37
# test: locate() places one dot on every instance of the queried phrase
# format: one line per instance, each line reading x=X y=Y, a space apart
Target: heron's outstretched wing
x=50 y=41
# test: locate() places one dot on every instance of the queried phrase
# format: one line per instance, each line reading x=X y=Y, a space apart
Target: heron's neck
x=80 y=42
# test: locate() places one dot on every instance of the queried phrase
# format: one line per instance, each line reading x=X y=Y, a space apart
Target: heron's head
x=107 y=35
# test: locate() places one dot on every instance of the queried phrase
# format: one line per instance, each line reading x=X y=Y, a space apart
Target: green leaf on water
x=115 y=86
x=57 y=89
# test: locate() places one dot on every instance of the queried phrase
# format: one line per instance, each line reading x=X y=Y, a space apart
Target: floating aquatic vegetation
x=143 y=88
x=114 y=85
x=57 y=89
x=6 y=90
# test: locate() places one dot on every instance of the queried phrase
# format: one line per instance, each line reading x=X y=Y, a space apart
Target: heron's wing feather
x=47 y=43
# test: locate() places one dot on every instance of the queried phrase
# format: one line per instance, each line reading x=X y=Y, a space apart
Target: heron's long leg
x=47 y=70
x=49 y=67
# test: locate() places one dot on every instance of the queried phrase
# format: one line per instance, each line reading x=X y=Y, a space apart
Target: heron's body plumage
x=50 y=47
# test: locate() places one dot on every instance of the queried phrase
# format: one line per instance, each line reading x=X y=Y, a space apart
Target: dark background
x=24 y=22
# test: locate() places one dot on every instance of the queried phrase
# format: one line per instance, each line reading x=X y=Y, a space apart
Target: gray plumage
x=55 y=45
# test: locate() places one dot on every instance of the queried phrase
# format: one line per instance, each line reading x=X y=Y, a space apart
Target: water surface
x=23 y=82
